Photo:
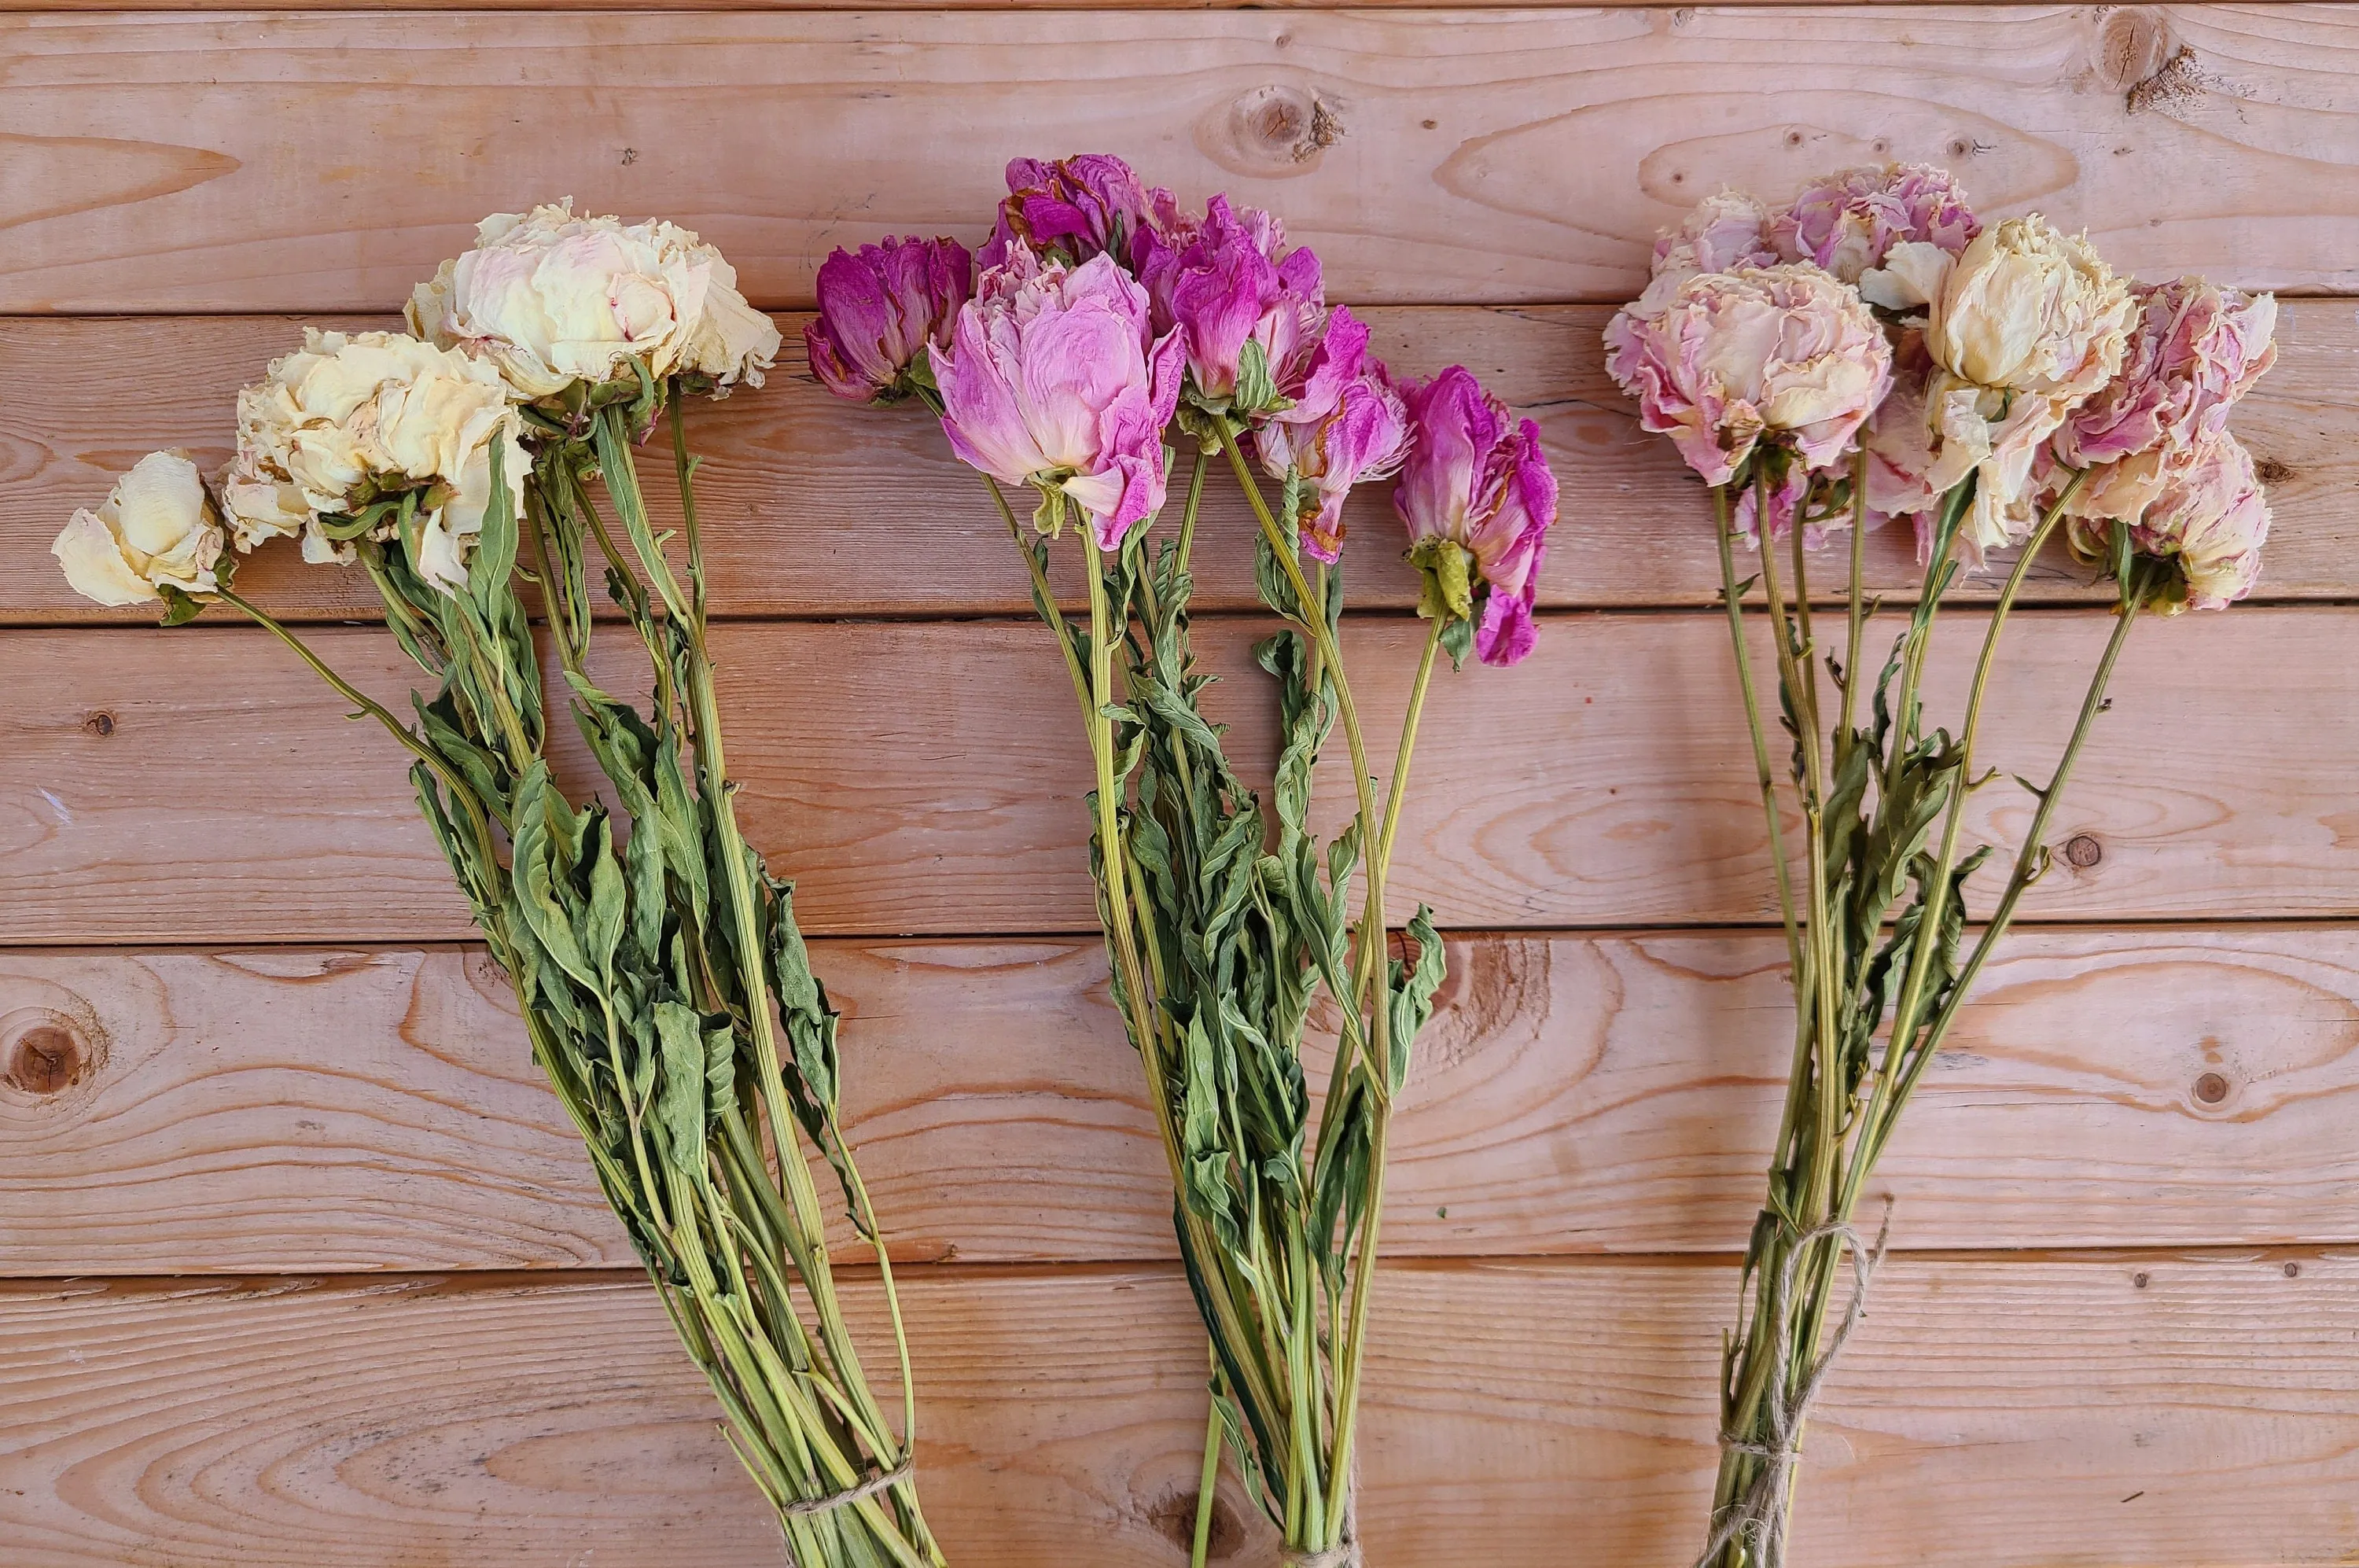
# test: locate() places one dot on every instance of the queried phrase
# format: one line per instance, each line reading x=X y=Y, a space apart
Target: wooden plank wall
x=299 y=1264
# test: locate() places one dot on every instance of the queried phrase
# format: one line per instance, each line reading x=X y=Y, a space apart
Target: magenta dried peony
x=1053 y=379
x=880 y=308
x=1221 y=283
x=2194 y=350
x=1075 y=207
x=1849 y=221
x=1476 y=479
x=2198 y=506
x=1364 y=437
x=1788 y=354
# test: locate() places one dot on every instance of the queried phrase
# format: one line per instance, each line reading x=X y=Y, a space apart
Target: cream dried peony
x=351 y=419
x=2022 y=327
x=2200 y=506
x=156 y=527
x=555 y=299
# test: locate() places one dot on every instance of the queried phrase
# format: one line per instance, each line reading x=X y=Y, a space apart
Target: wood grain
x=928 y=778
x=814 y=508
x=309 y=1111
x=2145 y=1407
x=324 y=162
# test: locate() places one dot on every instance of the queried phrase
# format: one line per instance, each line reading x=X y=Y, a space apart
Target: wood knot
x=2269 y=471
x=45 y=1053
x=2081 y=852
x=2132 y=45
x=1174 y=1517
x=98 y=722
x=1272 y=130
x=2212 y=1088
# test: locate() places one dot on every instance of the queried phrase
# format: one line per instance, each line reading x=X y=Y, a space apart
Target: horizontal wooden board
x=2149 y=1408
x=320 y=162
x=928 y=778
x=811 y=507
x=308 y=1110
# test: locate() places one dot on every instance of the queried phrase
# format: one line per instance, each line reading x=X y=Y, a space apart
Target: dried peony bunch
x=1873 y=351
x=657 y=969
x=1111 y=332
x=1875 y=336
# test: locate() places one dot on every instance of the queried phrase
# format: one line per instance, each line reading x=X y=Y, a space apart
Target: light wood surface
x=299 y=1266
x=323 y=162
x=811 y=507
x=2173 y=1411
x=926 y=777
x=308 y=1110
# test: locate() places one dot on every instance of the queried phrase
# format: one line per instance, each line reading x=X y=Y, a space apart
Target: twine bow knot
x=1760 y=1514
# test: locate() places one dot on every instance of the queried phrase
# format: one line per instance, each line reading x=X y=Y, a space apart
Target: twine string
x=845 y=1499
x=1759 y=1515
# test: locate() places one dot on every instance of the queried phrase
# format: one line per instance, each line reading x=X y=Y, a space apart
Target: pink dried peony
x=1900 y=444
x=879 y=310
x=2194 y=350
x=1076 y=208
x=2198 y=506
x=1850 y=220
x=1475 y=479
x=1365 y=436
x=1788 y=354
x=1053 y=379
x=1720 y=234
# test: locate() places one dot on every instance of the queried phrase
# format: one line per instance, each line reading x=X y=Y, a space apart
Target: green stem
x=1208 y=1479
x=1733 y=599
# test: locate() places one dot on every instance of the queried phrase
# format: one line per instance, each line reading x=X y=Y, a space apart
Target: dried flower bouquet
x=661 y=978
x=1873 y=351
x=1106 y=322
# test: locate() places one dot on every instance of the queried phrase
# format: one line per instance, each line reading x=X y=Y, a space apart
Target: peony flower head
x=2198 y=507
x=1787 y=354
x=1365 y=436
x=1478 y=499
x=2194 y=350
x=352 y=420
x=1074 y=208
x=1054 y=379
x=2021 y=328
x=558 y=302
x=1849 y=221
x=880 y=308
x=156 y=529
x=2025 y=308
x=1720 y=234
x=1244 y=316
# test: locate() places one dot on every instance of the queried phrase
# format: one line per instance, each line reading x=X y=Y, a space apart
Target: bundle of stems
x=1872 y=903
x=1223 y=921
x=662 y=980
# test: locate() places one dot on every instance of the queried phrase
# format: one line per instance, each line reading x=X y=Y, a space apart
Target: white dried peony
x=554 y=300
x=2022 y=327
x=349 y=419
x=155 y=528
